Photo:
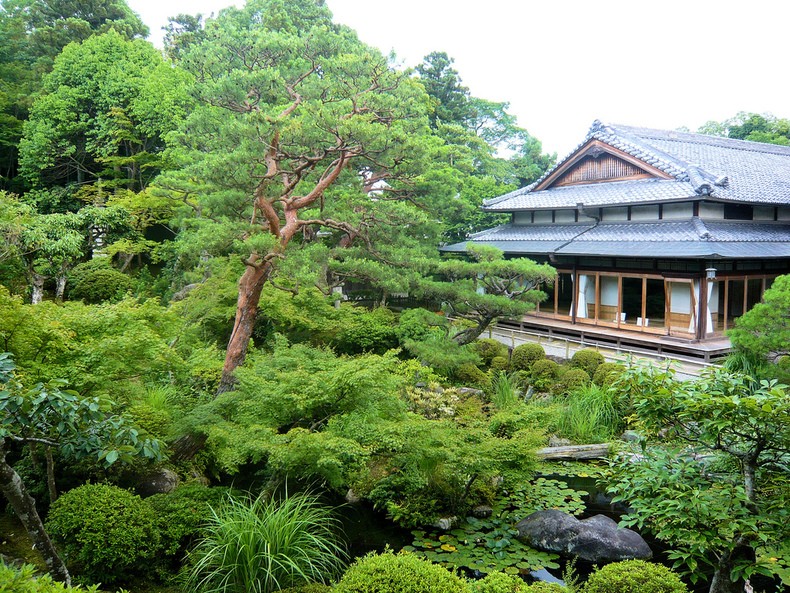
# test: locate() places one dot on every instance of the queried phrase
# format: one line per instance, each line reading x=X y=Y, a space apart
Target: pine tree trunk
x=25 y=508
x=60 y=286
x=250 y=287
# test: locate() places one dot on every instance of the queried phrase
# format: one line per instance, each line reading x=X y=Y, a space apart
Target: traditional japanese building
x=668 y=235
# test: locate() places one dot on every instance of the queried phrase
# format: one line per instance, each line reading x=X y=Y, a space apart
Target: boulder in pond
x=597 y=539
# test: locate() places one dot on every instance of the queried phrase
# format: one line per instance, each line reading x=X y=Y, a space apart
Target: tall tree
x=127 y=99
x=291 y=107
x=751 y=126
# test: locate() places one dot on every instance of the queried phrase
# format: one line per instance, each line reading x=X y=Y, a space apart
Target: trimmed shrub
x=607 y=373
x=97 y=284
x=634 y=575
x=488 y=349
x=544 y=373
x=571 y=380
x=309 y=588
x=107 y=533
x=25 y=580
x=543 y=587
x=470 y=374
x=499 y=363
x=182 y=513
x=524 y=355
x=401 y=573
x=498 y=582
x=588 y=360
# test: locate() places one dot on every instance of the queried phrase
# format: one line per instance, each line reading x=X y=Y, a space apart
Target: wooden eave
x=595 y=148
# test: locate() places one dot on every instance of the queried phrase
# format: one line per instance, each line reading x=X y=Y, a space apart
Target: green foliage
x=23 y=579
x=764 y=330
x=591 y=414
x=543 y=587
x=504 y=390
x=106 y=533
x=499 y=363
x=607 y=373
x=470 y=374
x=751 y=126
x=309 y=588
x=401 y=573
x=265 y=545
x=715 y=519
x=634 y=575
x=544 y=374
x=572 y=380
x=100 y=285
x=587 y=360
x=488 y=349
x=498 y=582
x=181 y=514
x=365 y=331
x=531 y=416
x=524 y=355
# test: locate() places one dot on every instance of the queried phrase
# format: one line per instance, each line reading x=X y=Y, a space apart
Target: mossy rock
x=499 y=363
x=470 y=374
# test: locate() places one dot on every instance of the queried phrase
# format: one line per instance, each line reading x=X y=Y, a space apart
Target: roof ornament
x=699 y=181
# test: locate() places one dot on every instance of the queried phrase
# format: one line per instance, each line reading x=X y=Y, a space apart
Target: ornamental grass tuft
x=264 y=544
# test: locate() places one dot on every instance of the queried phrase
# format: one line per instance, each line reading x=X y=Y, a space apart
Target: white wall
x=522 y=217
x=711 y=211
x=609 y=291
x=610 y=214
x=564 y=215
x=543 y=217
x=675 y=211
x=681 y=297
x=763 y=213
x=644 y=212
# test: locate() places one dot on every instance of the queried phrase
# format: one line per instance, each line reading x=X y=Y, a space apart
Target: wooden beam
x=572 y=452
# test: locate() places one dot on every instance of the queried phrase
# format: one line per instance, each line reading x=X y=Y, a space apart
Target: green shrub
x=499 y=363
x=98 y=283
x=401 y=573
x=154 y=421
x=308 y=588
x=488 y=349
x=504 y=390
x=544 y=373
x=607 y=373
x=107 y=533
x=543 y=587
x=498 y=582
x=25 y=580
x=572 y=380
x=182 y=513
x=470 y=374
x=532 y=416
x=634 y=575
x=588 y=360
x=264 y=545
x=524 y=355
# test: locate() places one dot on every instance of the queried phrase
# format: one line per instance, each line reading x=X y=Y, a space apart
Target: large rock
x=159 y=481
x=597 y=539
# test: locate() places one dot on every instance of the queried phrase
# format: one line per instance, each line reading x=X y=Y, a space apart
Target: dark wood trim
x=593 y=146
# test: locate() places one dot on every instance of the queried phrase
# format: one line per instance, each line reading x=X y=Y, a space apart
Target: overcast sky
x=563 y=63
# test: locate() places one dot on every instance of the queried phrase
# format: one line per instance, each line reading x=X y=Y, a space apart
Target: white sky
x=563 y=63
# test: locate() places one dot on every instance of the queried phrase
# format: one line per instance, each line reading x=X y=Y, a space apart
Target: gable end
x=597 y=162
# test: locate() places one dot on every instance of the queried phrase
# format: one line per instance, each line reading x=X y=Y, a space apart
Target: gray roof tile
x=698 y=164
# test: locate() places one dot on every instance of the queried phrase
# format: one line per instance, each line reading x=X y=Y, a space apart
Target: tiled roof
x=718 y=168
x=682 y=238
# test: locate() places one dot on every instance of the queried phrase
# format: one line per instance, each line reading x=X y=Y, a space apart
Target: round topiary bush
x=543 y=587
x=573 y=379
x=588 y=360
x=498 y=582
x=544 y=373
x=488 y=349
x=607 y=373
x=634 y=575
x=470 y=374
x=398 y=573
x=102 y=284
x=499 y=363
x=107 y=534
x=524 y=355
